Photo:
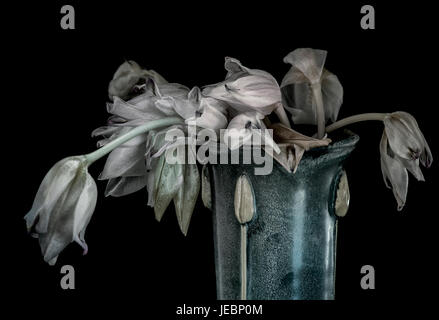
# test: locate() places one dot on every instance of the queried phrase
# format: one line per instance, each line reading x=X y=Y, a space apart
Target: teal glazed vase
x=291 y=241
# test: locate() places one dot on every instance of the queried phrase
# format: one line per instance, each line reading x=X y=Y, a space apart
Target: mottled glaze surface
x=291 y=241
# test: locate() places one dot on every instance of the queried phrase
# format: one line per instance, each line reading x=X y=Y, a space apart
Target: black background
x=58 y=88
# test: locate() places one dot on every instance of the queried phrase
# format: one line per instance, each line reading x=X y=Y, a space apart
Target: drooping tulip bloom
x=243 y=127
x=307 y=71
x=125 y=168
x=63 y=206
x=402 y=147
x=127 y=76
x=246 y=90
x=210 y=113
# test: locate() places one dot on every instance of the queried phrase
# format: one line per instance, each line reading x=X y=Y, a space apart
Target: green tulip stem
x=95 y=155
x=243 y=261
x=320 y=111
x=356 y=118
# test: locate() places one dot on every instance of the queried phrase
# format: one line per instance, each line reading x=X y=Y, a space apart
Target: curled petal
x=126 y=160
x=309 y=61
x=286 y=135
x=295 y=144
x=84 y=210
x=129 y=111
x=405 y=140
x=53 y=186
x=283 y=157
x=124 y=79
x=121 y=186
x=105 y=131
x=406 y=137
x=69 y=216
x=413 y=167
x=246 y=89
x=186 y=197
x=168 y=180
x=332 y=93
x=394 y=174
x=299 y=100
x=239 y=130
x=155 y=76
x=206 y=192
x=235 y=138
x=213 y=114
x=61 y=224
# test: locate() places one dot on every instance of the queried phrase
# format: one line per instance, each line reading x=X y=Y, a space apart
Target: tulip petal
x=309 y=61
x=283 y=134
x=298 y=154
x=155 y=76
x=168 y=179
x=293 y=76
x=332 y=92
x=296 y=141
x=158 y=142
x=263 y=139
x=186 y=197
x=105 y=131
x=127 y=77
x=174 y=106
x=393 y=173
x=206 y=192
x=298 y=98
x=235 y=138
x=253 y=93
x=124 y=79
x=213 y=114
x=54 y=184
x=84 y=210
x=402 y=139
x=122 y=186
x=410 y=122
x=60 y=227
x=413 y=167
x=130 y=111
x=126 y=160
x=282 y=156
x=238 y=130
x=150 y=181
x=246 y=89
x=307 y=67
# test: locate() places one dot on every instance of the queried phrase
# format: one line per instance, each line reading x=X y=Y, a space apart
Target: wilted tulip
x=210 y=113
x=308 y=87
x=125 y=168
x=402 y=147
x=243 y=127
x=63 y=206
x=127 y=76
x=248 y=90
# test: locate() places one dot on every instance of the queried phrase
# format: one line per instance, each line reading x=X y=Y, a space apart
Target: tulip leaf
x=168 y=179
x=206 y=192
x=187 y=195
